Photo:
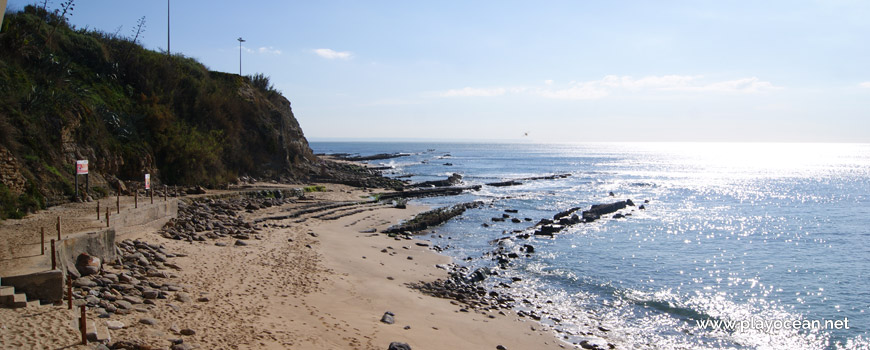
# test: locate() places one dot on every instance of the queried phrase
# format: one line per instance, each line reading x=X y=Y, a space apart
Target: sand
x=297 y=290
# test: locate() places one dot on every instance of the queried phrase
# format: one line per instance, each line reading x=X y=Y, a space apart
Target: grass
x=314 y=188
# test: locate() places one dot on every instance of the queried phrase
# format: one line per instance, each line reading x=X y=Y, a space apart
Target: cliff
x=69 y=94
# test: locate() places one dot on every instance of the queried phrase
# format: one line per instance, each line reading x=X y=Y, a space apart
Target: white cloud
x=613 y=84
x=865 y=85
x=473 y=92
x=581 y=91
x=332 y=54
x=262 y=50
x=269 y=50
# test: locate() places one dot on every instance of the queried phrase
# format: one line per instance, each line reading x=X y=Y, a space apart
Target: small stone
x=500 y=347
x=123 y=304
x=221 y=244
x=148 y=321
x=183 y=297
x=203 y=299
x=388 y=318
x=132 y=299
x=181 y=346
x=114 y=325
x=241 y=243
x=150 y=294
x=187 y=331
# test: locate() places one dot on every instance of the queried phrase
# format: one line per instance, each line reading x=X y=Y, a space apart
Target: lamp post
x=240 y=54
x=168 y=51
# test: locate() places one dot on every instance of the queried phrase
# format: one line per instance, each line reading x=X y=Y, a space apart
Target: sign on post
x=147 y=181
x=82 y=167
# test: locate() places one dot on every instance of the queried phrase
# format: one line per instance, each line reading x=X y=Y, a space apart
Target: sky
x=542 y=71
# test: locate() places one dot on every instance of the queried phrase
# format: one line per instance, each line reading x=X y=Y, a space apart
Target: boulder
x=87 y=264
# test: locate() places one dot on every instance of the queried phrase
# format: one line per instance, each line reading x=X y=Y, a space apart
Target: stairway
x=8 y=298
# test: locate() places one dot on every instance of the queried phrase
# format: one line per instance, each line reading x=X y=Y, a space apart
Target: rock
x=182 y=346
x=87 y=265
x=183 y=297
x=114 y=325
x=241 y=243
x=399 y=346
x=500 y=347
x=133 y=299
x=150 y=294
x=84 y=282
x=388 y=318
x=123 y=304
x=187 y=331
x=149 y=321
x=203 y=299
x=220 y=244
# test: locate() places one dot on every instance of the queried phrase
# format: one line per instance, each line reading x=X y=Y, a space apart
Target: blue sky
x=568 y=71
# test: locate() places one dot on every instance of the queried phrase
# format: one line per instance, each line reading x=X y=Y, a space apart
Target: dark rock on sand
x=388 y=318
x=399 y=346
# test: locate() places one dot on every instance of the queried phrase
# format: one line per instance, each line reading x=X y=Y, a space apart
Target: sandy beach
x=306 y=283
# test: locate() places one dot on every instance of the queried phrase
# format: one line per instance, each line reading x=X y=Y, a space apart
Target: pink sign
x=81 y=167
x=147 y=181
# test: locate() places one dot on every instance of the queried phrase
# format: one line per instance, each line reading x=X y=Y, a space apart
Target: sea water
x=770 y=241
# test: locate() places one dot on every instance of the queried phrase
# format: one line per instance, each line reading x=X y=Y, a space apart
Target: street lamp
x=240 y=54
x=168 y=51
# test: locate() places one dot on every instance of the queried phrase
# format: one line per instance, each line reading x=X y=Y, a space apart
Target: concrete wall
x=46 y=286
x=150 y=215
x=100 y=244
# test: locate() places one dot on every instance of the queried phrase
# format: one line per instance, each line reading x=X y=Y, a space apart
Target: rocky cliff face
x=70 y=94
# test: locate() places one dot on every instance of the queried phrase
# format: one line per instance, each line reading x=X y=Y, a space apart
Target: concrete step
x=97 y=331
x=18 y=301
x=9 y=298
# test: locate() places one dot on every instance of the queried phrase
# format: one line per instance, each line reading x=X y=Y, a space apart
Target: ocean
x=740 y=245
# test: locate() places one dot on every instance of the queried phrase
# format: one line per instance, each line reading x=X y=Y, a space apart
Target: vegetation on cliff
x=68 y=93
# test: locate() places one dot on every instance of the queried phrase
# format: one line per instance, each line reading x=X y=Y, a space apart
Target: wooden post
x=136 y=199
x=118 y=201
x=98 y=210
x=152 y=193
x=42 y=231
x=107 y=217
x=69 y=291
x=165 y=192
x=58 y=228
x=83 y=324
x=53 y=256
